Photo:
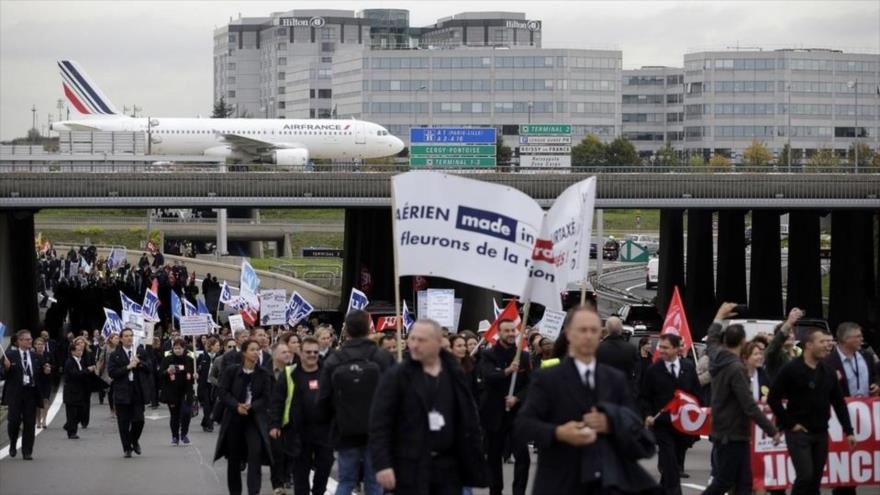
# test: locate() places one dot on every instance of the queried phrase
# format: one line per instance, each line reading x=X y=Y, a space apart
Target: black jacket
x=496 y=385
x=399 y=428
x=14 y=376
x=360 y=348
x=123 y=389
x=616 y=352
x=76 y=383
x=203 y=367
x=230 y=393
x=181 y=388
x=658 y=388
x=557 y=396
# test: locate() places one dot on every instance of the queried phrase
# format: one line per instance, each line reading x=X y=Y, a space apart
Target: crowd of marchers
x=447 y=415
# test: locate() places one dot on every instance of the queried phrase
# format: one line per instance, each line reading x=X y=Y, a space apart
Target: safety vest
x=288 y=371
x=189 y=354
x=549 y=363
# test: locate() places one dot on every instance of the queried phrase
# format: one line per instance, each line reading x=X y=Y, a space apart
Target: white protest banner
x=562 y=253
x=273 y=307
x=250 y=284
x=149 y=331
x=236 y=323
x=462 y=229
x=551 y=323
x=422 y=304
x=195 y=325
x=134 y=321
x=441 y=306
x=458 y=303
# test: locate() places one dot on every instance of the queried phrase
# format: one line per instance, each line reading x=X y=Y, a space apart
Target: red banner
x=676 y=323
x=859 y=466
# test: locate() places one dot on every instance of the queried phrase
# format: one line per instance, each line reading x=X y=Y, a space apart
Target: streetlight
x=788 y=130
x=854 y=85
x=531 y=104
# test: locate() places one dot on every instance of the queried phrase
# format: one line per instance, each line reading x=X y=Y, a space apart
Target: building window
x=326 y=60
x=281 y=90
x=282 y=60
x=281 y=46
x=230 y=80
x=230 y=66
x=230 y=94
x=325 y=93
x=311 y=93
x=282 y=76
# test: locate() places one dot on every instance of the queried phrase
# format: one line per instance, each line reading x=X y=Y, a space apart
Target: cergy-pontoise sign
x=314 y=22
x=530 y=25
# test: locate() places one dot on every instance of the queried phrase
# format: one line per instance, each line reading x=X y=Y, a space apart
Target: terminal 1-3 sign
x=454 y=147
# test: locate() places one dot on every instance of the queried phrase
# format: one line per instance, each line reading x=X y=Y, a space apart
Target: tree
x=33 y=135
x=621 y=152
x=876 y=161
x=696 y=160
x=866 y=154
x=667 y=157
x=720 y=161
x=757 y=155
x=221 y=109
x=824 y=158
x=503 y=153
x=783 y=159
x=588 y=153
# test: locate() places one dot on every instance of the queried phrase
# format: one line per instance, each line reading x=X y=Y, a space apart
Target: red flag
x=676 y=323
x=687 y=416
x=386 y=323
x=510 y=312
x=250 y=315
x=419 y=283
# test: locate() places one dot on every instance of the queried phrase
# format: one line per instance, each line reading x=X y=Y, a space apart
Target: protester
x=265 y=358
x=21 y=394
x=388 y=341
x=811 y=388
x=177 y=390
x=498 y=408
x=89 y=359
x=129 y=367
x=206 y=389
x=325 y=339
x=348 y=381
x=733 y=406
x=581 y=417
x=103 y=358
x=424 y=428
x=782 y=348
x=76 y=376
x=279 y=471
x=44 y=381
x=617 y=352
x=661 y=380
x=244 y=393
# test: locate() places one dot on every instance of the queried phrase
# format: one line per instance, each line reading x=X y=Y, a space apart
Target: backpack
x=354 y=382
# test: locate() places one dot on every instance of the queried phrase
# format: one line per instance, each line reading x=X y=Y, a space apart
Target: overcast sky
x=158 y=54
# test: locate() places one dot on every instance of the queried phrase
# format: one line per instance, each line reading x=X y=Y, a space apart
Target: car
x=754 y=326
x=611 y=250
x=640 y=317
x=572 y=295
x=593 y=251
x=652 y=273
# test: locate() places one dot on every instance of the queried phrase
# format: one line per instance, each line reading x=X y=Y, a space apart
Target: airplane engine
x=221 y=152
x=297 y=157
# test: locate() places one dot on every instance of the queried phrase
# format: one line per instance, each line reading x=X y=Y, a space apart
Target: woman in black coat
x=177 y=390
x=244 y=391
x=44 y=382
x=76 y=385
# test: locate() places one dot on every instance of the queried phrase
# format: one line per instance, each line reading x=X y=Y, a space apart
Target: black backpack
x=354 y=382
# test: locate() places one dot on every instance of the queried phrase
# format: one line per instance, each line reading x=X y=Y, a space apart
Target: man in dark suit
x=20 y=369
x=581 y=416
x=661 y=380
x=498 y=408
x=265 y=359
x=616 y=352
x=132 y=388
x=76 y=386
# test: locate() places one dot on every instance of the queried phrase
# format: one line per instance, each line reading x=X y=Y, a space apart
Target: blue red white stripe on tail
x=82 y=93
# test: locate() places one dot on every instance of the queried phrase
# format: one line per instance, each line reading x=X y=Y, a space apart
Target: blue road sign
x=470 y=135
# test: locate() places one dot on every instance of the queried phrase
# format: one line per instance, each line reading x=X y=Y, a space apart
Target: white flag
x=250 y=285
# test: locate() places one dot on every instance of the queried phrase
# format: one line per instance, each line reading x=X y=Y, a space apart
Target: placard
x=440 y=306
x=134 y=321
x=273 y=307
x=236 y=323
x=149 y=331
x=551 y=323
x=194 y=325
x=458 y=303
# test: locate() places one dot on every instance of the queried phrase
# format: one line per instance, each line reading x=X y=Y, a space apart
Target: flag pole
x=397 y=316
x=519 y=342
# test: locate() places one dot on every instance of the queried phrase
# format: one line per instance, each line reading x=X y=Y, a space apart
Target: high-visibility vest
x=549 y=363
x=189 y=354
x=288 y=370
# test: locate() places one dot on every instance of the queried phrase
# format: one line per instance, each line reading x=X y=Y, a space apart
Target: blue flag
x=2 y=330
x=190 y=308
x=297 y=309
x=202 y=308
x=116 y=257
x=176 y=307
x=150 y=307
x=225 y=293
x=128 y=305
x=409 y=319
x=358 y=300
x=112 y=323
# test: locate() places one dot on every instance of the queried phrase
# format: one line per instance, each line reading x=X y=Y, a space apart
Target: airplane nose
x=397 y=145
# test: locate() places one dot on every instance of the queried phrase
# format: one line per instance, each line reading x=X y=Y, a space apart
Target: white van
x=652 y=275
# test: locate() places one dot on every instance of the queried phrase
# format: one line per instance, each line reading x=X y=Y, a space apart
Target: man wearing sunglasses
x=305 y=432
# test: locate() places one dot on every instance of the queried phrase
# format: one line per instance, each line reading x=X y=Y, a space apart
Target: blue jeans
x=349 y=464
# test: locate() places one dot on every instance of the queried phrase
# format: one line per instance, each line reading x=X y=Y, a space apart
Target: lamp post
x=788 y=129
x=531 y=104
x=854 y=85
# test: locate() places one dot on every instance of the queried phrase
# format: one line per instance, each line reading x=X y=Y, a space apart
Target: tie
x=130 y=373
x=587 y=375
x=672 y=370
x=27 y=367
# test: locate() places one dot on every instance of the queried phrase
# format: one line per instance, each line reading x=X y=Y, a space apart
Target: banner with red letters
x=859 y=466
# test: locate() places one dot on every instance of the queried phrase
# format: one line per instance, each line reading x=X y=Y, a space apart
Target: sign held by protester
x=273 y=307
x=440 y=306
x=551 y=323
x=236 y=323
x=194 y=325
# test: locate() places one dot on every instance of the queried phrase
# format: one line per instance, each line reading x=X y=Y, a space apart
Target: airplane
x=281 y=141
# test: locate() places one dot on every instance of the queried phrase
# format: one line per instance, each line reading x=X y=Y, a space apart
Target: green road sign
x=423 y=161
x=630 y=251
x=451 y=150
x=544 y=129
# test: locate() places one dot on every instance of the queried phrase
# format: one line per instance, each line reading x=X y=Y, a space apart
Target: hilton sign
x=314 y=22
x=530 y=25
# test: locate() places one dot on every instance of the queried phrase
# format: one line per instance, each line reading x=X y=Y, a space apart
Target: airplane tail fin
x=82 y=93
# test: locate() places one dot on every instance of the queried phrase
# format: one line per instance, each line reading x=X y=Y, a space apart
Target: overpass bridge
x=692 y=193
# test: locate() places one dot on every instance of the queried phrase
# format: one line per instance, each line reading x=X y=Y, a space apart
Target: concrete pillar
x=222 y=229
x=731 y=264
x=367 y=245
x=18 y=296
x=804 y=266
x=699 y=295
x=287 y=249
x=671 y=269
x=256 y=247
x=848 y=300
x=765 y=278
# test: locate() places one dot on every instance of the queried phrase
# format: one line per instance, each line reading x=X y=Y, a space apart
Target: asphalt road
x=93 y=465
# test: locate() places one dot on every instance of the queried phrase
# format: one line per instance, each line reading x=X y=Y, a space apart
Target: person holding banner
x=177 y=390
x=733 y=407
x=581 y=416
x=811 y=387
x=661 y=380
x=129 y=368
x=498 y=409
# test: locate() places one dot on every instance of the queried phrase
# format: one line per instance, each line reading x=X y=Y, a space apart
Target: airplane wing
x=254 y=146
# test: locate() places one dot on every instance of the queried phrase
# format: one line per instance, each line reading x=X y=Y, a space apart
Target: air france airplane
x=283 y=141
